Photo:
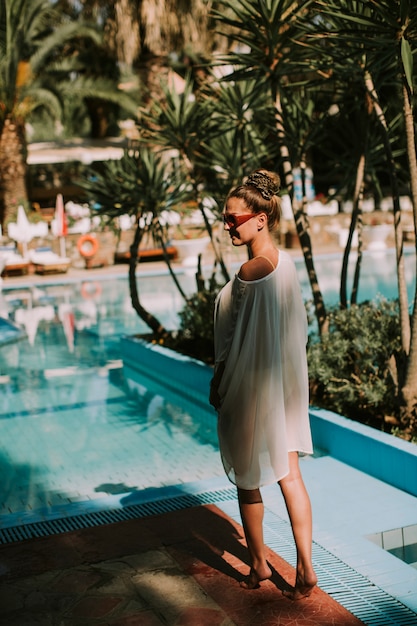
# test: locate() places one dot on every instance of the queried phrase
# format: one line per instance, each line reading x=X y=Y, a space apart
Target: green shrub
x=353 y=370
x=195 y=335
x=196 y=318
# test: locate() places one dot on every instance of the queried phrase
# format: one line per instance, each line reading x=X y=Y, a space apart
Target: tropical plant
x=325 y=50
x=373 y=41
x=241 y=117
x=85 y=75
x=148 y=34
x=353 y=369
x=22 y=24
x=219 y=134
x=119 y=21
x=143 y=185
x=183 y=124
x=206 y=132
x=39 y=69
x=195 y=335
x=265 y=32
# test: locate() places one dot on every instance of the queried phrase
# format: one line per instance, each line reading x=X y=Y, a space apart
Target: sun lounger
x=48 y=262
x=12 y=262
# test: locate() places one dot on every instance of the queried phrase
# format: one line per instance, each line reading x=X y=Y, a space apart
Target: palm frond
x=141 y=183
x=62 y=35
x=101 y=89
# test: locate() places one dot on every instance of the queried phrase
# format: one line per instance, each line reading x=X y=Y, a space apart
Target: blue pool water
x=377 y=276
x=71 y=430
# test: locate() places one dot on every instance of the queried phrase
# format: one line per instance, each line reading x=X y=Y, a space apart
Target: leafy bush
x=354 y=369
x=196 y=322
x=196 y=319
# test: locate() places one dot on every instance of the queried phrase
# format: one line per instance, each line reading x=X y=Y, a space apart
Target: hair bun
x=267 y=183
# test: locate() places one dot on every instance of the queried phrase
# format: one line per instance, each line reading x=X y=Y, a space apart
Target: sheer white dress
x=261 y=335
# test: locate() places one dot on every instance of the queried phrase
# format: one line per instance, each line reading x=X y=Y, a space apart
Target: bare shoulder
x=256 y=268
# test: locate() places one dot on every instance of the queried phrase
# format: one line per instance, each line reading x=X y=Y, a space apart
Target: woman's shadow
x=214 y=535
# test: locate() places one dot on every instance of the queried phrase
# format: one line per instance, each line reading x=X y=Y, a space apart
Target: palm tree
x=146 y=187
x=38 y=54
x=22 y=24
x=219 y=135
x=264 y=51
x=206 y=143
x=183 y=124
x=122 y=32
x=148 y=34
x=373 y=41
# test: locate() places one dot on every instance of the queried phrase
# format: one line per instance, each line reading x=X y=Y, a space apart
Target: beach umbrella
x=21 y=230
x=60 y=225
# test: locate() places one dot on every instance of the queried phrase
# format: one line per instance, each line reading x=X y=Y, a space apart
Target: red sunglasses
x=234 y=221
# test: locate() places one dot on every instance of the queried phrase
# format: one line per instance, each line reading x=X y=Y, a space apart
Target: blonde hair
x=260 y=193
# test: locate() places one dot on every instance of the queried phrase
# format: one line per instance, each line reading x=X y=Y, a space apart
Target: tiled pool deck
x=165 y=557
x=171 y=556
x=180 y=568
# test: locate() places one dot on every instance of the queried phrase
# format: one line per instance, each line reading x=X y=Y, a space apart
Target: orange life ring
x=87 y=246
x=90 y=290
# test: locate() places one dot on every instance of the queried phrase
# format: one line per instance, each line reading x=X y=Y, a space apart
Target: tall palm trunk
x=402 y=284
x=127 y=33
x=301 y=222
x=409 y=390
x=12 y=168
x=355 y=221
x=154 y=324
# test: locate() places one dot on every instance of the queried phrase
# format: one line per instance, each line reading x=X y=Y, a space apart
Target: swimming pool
x=72 y=430
x=377 y=276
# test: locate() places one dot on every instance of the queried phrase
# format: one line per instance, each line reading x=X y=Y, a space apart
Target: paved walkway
x=181 y=568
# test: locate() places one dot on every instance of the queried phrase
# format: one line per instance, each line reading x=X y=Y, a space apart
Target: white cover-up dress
x=260 y=335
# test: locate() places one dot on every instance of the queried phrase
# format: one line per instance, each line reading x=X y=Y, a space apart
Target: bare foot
x=303 y=588
x=255 y=577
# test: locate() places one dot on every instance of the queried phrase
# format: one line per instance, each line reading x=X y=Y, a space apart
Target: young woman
x=260 y=383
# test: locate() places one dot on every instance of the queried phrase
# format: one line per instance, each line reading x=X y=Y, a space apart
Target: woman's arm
x=214 y=398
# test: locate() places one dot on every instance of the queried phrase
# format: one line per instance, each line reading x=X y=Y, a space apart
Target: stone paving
x=181 y=568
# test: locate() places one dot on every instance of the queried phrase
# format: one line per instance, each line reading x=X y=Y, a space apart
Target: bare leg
x=252 y=513
x=299 y=510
